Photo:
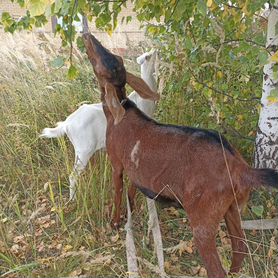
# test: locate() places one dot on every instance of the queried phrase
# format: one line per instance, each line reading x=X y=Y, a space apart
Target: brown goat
x=195 y=168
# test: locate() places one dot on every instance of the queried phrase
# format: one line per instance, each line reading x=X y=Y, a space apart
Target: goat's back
x=86 y=127
x=189 y=160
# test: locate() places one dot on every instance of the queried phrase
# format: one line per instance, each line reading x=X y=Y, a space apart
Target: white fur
x=134 y=154
x=86 y=127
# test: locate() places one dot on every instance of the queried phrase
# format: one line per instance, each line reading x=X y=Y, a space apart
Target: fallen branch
x=262 y=224
x=132 y=266
x=153 y=224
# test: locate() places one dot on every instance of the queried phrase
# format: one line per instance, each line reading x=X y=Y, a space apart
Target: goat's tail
x=57 y=131
x=261 y=177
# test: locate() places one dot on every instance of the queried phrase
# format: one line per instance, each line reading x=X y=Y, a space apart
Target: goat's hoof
x=115 y=225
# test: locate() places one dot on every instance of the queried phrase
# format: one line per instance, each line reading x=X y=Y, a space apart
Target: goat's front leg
x=117 y=177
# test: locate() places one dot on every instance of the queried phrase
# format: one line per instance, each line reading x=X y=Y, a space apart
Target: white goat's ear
x=140 y=60
x=140 y=86
x=113 y=103
x=148 y=57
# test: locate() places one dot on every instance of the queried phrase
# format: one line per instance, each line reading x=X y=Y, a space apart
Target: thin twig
x=70 y=28
x=220 y=92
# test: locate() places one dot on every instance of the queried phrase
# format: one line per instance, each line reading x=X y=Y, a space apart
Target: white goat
x=86 y=127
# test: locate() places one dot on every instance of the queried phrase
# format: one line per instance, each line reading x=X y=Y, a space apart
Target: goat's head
x=112 y=77
x=107 y=66
x=147 y=57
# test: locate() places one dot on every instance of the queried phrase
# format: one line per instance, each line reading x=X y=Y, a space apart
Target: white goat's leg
x=81 y=161
x=153 y=224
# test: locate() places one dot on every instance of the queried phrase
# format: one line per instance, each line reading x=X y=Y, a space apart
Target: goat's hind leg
x=204 y=220
x=81 y=161
x=204 y=236
x=232 y=219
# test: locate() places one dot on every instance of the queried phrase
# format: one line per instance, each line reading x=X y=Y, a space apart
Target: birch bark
x=266 y=152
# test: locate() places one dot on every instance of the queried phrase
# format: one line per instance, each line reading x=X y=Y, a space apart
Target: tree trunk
x=266 y=153
x=85 y=25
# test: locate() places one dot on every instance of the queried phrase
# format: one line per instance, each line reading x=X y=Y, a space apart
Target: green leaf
x=80 y=44
x=37 y=7
x=275 y=75
x=128 y=18
x=5 y=16
x=188 y=43
x=263 y=58
x=258 y=210
x=179 y=10
x=72 y=72
x=58 y=62
x=58 y=5
x=202 y=7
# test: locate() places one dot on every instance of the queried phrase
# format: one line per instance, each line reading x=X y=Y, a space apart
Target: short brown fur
x=195 y=167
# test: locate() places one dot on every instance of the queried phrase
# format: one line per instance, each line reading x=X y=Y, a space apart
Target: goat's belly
x=166 y=201
x=156 y=186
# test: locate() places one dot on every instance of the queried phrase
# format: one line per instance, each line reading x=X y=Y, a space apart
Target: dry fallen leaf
x=272 y=248
x=115 y=238
x=100 y=259
x=182 y=247
x=67 y=248
x=202 y=272
x=195 y=269
x=76 y=272
x=41 y=247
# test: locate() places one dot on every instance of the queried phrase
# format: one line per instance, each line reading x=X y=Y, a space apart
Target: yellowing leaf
x=209 y=3
x=274 y=57
x=219 y=74
x=273 y=97
x=38 y=7
x=72 y=72
x=110 y=32
x=245 y=9
x=242 y=28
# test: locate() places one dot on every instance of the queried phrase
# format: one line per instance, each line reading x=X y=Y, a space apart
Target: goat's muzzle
x=107 y=66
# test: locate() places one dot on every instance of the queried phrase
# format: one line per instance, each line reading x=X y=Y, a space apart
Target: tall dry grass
x=41 y=235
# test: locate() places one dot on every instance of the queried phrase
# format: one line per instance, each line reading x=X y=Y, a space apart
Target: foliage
x=216 y=50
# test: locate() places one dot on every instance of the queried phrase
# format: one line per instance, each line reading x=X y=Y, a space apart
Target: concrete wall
x=124 y=34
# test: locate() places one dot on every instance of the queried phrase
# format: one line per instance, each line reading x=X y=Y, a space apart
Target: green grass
x=41 y=234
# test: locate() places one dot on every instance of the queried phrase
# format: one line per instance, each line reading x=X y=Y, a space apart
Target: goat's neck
x=147 y=74
x=120 y=91
x=121 y=94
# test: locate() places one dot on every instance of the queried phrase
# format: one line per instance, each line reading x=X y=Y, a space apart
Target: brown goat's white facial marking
x=134 y=154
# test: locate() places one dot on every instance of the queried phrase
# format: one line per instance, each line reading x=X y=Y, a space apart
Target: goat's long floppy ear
x=140 y=86
x=113 y=103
